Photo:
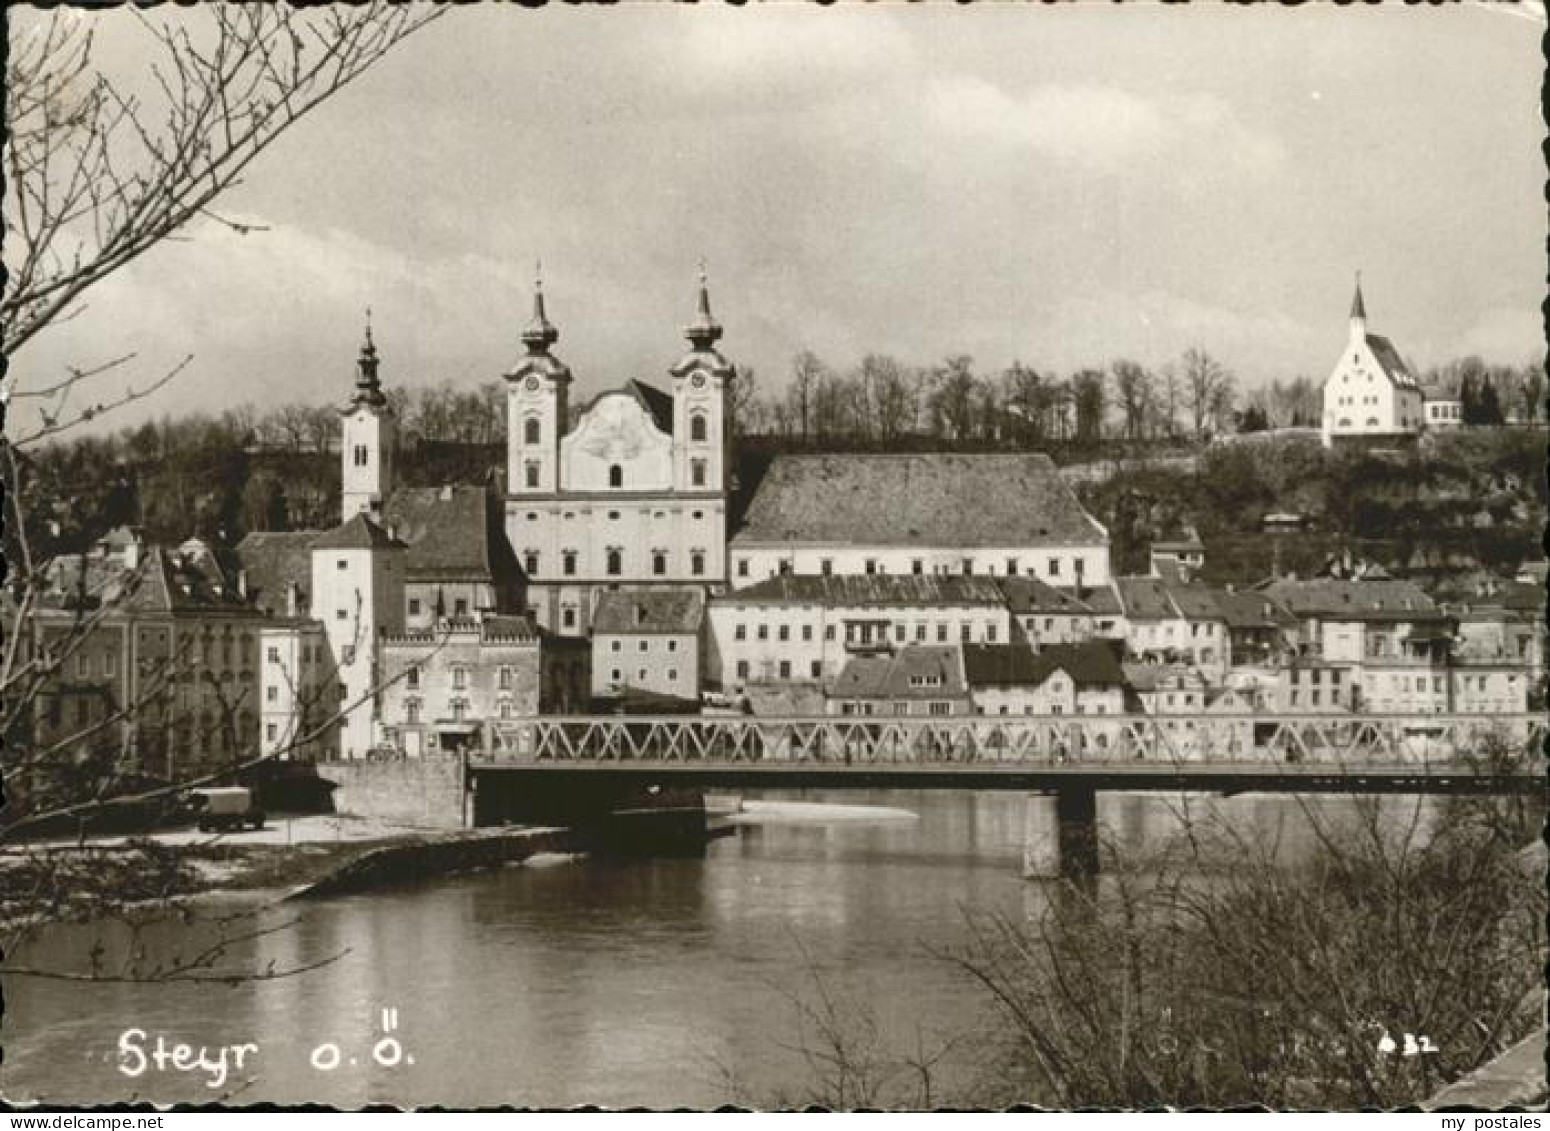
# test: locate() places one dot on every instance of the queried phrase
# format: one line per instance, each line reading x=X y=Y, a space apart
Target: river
x=557 y=983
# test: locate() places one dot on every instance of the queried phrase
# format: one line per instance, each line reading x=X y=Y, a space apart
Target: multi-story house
x=806 y=628
x=648 y=641
x=918 y=679
x=1045 y=615
x=466 y=683
x=918 y=515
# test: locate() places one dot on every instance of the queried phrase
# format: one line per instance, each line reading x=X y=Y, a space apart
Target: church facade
x=633 y=494
x=1372 y=394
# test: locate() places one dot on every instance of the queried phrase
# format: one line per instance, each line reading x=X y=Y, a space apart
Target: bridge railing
x=1336 y=739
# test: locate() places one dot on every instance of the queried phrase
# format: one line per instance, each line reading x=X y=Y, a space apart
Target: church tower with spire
x=369 y=440
x=537 y=401
x=701 y=384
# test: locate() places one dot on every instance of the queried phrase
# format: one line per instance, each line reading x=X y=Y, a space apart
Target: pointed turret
x=1358 y=311
x=368 y=388
x=704 y=331
x=540 y=334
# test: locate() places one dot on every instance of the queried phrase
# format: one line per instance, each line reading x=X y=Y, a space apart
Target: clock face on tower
x=698 y=380
x=532 y=384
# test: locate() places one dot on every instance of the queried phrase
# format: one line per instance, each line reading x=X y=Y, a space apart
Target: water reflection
x=610 y=982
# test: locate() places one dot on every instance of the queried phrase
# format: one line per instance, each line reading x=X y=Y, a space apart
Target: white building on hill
x=1372 y=393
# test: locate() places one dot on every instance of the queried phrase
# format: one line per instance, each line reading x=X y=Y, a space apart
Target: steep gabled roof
x=930 y=499
x=273 y=560
x=898 y=676
x=1145 y=598
x=1393 y=365
x=357 y=533
x=451 y=532
x=676 y=612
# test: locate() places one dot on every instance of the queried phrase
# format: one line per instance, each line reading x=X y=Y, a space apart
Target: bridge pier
x=1060 y=834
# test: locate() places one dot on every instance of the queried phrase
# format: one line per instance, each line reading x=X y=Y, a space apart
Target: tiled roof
x=1339 y=598
x=1030 y=595
x=841 y=590
x=274 y=559
x=1252 y=610
x=675 y=611
x=895 y=676
x=451 y=533
x=358 y=533
x=1145 y=598
x=180 y=585
x=1195 y=602
x=932 y=499
x=1393 y=365
x=1090 y=664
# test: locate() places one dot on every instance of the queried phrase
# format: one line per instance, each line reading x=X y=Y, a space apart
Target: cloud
x=1099 y=127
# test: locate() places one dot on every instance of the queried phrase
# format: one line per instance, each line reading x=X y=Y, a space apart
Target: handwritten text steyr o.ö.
x=140 y=1052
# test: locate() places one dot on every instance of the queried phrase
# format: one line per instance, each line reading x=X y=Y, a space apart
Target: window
x=643 y=646
x=764 y=632
x=742 y=669
x=990 y=634
x=697 y=473
x=965 y=632
x=616 y=676
x=807 y=633
x=817 y=669
x=672 y=675
x=917 y=566
x=672 y=645
x=784 y=567
x=784 y=633
x=347 y=654
x=460 y=607
x=530 y=562
x=742 y=567
x=531 y=471
x=362 y=455
x=871 y=565
x=568 y=616
x=1080 y=566
x=271 y=732
x=828 y=632
x=1054 y=567
x=920 y=633
x=616 y=645
x=531 y=430
x=568 y=563
x=899 y=631
x=459 y=678
x=413 y=678
x=274 y=654
x=697 y=563
x=740 y=632
x=1011 y=567
x=505 y=679
x=826 y=566
x=615 y=562
x=658 y=562
x=697 y=428
x=785 y=669
x=968 y=566
x=272 y=693
x=941 y=633
x=940 y=709
x=414 y=606
x=505 y=709
x=615 y=476
x=640 y=674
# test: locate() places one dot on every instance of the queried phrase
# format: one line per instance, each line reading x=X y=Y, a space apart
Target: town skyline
x=1120 y=158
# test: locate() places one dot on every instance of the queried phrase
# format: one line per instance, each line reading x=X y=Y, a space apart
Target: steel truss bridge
x=1229 y=753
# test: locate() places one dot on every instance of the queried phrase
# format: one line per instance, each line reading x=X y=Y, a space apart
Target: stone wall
x=426 y=792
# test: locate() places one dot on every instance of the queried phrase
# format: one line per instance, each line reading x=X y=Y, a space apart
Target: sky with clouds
x=1062 y=185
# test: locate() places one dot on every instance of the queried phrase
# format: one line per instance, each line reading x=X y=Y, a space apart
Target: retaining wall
x=420 y=791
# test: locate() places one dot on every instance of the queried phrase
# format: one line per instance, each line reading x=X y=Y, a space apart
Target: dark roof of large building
x=452 y=532
x=357 y=533
x=1393 y=365
x=1252 y=610
x=1030 y=595
x=1089 y=664
x=841 y=590
x=1340 y=598
x=1145 y=597
x=642 y=611
x=1195 y=602
x=183 y=584
x=903 y=674
x=933 y=499
x=274 y=559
